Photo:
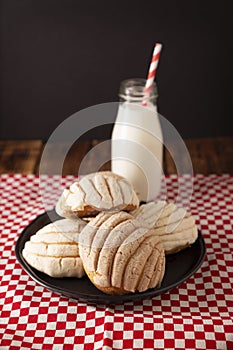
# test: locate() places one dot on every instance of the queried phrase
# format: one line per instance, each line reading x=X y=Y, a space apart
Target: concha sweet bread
x=119 y=255
x=54 y=249
x=97 y=192
x=174 y=226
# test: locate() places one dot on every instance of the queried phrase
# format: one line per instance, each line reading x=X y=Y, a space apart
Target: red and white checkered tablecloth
x=196 y=315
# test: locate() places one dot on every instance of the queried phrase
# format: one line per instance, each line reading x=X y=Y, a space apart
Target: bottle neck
x=133 y=91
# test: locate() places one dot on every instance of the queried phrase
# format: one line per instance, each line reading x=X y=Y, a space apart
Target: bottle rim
x=134 y=88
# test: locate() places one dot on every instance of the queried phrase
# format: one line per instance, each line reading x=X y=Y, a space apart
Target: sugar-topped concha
x=119 y=255
x=174 y=226
x=101 y=191
x=54 y=249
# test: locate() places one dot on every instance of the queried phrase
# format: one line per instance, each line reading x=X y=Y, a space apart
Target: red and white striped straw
x=152 y=70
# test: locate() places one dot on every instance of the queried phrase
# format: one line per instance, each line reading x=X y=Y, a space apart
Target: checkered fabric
x=196 y=315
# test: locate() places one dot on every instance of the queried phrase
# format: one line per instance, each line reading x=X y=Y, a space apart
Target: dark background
x=59 y=56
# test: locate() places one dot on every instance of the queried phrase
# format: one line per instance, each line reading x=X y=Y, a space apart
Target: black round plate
x=179 y=267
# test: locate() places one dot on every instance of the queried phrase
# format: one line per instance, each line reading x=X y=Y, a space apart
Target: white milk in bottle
x=137 y=140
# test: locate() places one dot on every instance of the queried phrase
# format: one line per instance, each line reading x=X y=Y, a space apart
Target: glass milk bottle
x=137 y=140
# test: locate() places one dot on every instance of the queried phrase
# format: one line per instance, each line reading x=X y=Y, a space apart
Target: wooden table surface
x=208 y=155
